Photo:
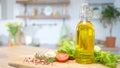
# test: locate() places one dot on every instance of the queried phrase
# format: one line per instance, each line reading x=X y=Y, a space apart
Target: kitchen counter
x=7 y=53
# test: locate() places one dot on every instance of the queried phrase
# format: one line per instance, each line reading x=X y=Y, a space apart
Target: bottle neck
x=84 y=20
x=85 y=12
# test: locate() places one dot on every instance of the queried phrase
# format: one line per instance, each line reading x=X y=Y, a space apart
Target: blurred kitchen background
x=44 y=23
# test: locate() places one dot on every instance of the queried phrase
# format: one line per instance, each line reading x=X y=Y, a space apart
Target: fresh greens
x=68 y=47
x=118 y=57
x=106 y=58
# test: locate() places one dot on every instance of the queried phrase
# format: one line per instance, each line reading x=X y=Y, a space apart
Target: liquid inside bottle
x=84 y=41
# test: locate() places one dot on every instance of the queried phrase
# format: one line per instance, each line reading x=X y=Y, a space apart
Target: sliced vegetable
x=50 y=53
x=62 y=57
x=97 y=49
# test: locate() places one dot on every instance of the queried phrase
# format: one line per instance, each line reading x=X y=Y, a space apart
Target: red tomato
x=62 y=57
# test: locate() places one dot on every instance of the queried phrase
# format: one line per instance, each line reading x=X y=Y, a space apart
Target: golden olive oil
x=84 y=42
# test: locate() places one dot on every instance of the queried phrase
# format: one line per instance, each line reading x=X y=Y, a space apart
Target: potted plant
x=109 y=17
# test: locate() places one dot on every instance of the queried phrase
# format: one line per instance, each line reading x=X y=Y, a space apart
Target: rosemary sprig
x=44 y=58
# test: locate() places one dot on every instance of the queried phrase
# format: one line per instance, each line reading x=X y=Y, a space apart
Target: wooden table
x=7 y=53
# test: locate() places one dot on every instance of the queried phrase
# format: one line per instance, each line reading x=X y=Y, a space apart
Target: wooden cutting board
x=18 y=63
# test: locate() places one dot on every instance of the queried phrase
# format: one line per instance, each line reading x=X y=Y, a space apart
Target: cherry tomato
x=62 y=57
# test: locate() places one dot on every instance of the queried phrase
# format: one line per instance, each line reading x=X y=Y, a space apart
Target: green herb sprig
x=46 y=59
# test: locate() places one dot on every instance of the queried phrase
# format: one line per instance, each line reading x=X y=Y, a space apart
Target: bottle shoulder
x=85 y=24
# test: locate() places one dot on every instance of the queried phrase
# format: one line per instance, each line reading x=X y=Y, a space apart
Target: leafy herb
x=50 y=59
x=106 y=58
x=118 y=57
x=68 y=47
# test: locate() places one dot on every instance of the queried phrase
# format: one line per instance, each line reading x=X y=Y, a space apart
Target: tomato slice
x=62 y=57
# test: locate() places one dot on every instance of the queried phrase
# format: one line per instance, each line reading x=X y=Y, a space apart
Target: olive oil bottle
x=84 y=38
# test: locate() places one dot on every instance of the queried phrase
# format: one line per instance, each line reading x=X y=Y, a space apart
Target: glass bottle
x=35 y=12
x=84 y=38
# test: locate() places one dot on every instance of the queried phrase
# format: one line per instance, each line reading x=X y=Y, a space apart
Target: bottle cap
x=85 y=11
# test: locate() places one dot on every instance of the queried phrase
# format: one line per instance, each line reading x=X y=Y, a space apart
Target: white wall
x=7 y=9
x=50 y=35
x=0 y=10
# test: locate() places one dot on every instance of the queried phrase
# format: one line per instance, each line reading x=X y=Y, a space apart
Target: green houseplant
x=109 y=17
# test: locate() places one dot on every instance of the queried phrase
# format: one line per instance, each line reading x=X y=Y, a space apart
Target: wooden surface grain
x=14 y=56
x=7 y=53
x=18 y=62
